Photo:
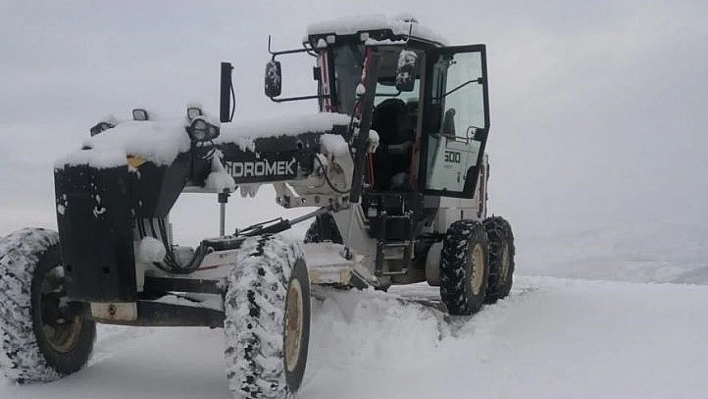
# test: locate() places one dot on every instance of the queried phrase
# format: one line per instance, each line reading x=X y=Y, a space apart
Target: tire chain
x=255 y=312
x=453 y=260
x=498 y=231
x=20 y=357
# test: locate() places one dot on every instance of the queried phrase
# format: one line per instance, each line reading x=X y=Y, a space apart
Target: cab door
x=455 y=120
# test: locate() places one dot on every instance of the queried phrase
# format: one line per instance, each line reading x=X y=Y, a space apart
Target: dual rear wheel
x=476 y=264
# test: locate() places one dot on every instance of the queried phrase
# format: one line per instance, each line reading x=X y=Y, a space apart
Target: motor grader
x=392 y=167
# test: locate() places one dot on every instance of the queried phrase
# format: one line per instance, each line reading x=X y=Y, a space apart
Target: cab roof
x=377 y=28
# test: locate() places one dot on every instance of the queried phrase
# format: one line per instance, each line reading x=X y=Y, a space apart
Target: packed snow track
x=552 y=337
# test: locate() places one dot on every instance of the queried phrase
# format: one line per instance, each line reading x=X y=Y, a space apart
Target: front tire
x=464 y=267
x=267 y=322
x=43 y=337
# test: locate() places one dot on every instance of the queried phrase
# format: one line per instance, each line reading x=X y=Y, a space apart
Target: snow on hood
x=400 y=25
x=334 y=144
x=160 y=142
x=243 y=132
x=157 y=141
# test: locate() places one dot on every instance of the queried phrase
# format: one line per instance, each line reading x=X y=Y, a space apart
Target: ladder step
x=396 y=273
x=397 y=217
x=396 y=244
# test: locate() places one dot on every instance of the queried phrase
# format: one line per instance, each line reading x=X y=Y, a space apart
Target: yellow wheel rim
x=293 y=325
x=61 y=333
x=477 y=279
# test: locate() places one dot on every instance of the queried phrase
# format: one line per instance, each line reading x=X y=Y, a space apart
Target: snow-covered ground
x=552 y=337
x=598 y=158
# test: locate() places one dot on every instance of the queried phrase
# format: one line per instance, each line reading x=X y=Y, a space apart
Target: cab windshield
x=348 y=65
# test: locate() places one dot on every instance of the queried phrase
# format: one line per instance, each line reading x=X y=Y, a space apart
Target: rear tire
x=464 y=266
x=323 y=228
x=267 y=323
x=42 y=338
x=501 y=258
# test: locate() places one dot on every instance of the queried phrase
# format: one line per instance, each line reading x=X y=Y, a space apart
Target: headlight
x=201 y=130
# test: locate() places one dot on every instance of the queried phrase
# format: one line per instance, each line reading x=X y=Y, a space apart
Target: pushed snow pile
x=243 y=132
x=373 y=330
x=552 y=338
x=400 y=25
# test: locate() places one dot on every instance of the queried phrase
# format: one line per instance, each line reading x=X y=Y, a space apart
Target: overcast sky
x=598 y=108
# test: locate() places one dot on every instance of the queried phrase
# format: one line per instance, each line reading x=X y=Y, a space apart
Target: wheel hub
x=505 y=263
x=477 y=279
x=293 y=325
x=59 y=326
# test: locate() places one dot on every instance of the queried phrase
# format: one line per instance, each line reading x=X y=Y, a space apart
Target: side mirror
x=405 y=73
x=273 y=79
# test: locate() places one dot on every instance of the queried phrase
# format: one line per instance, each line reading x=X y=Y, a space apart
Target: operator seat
x=392 y=122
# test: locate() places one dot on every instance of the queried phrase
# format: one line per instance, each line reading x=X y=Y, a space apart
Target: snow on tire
x=42 y=338
x=267 y=322
x=464 y=266
x=501 y=258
